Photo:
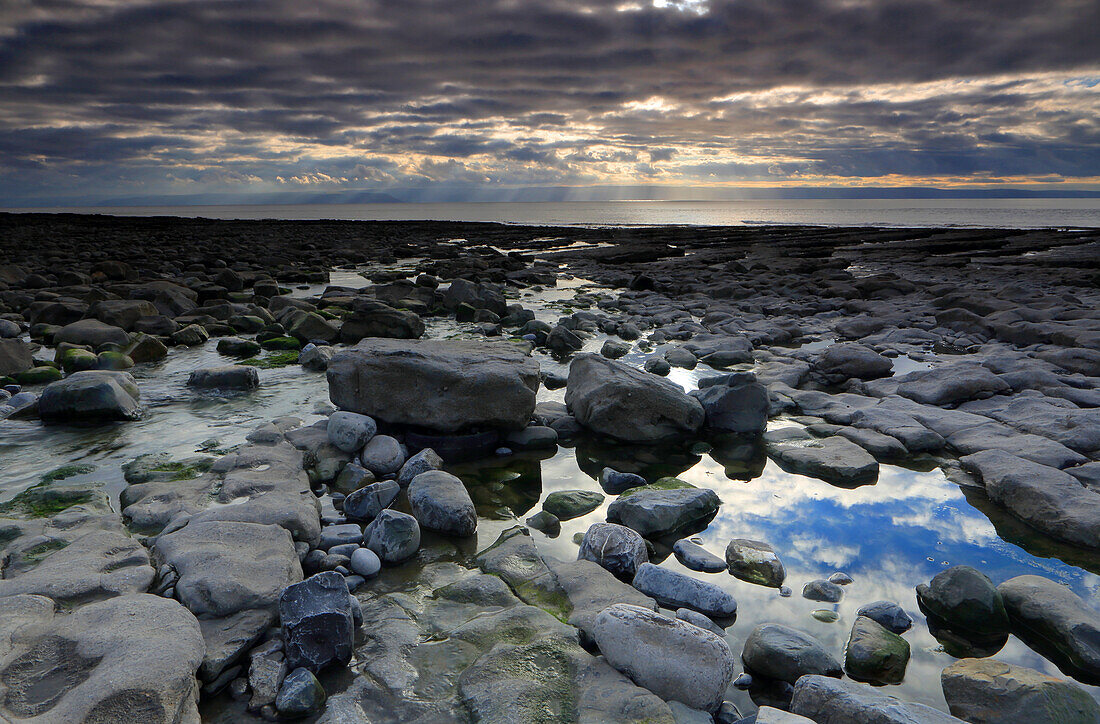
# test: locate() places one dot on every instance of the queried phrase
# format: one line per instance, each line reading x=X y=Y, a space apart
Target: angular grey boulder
x=986 y=691
x=442 y=385
x=617 y=400
x=440 y=502
x=91 y=396
x=783 y=653
x=756 y=562
x=888 y=614
x=318 y=630
x=225 y=377
x=367 y=502
x=394 y=536
x=655 y=511
x=834 y=459
x=674 y=590
x=617 y=548
x=734 y=403
x=672 y=658
x=965 y=599
x=422 y=462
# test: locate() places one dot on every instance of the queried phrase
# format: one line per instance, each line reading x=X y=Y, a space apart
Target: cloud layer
x=126 y=97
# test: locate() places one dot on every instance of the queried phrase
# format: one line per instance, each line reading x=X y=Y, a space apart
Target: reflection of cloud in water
x=889 y=537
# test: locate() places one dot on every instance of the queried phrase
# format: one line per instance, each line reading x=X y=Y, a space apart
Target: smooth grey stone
x=532 y=437
x=91 y=396
x=840 y=362
x=1056 y=620
x=965 y=599
x=616 y=548
x=673 y=659
x=365 y=562
x=546 y=522
x=698 y=619
x=675 y=590
x=889 y=614
x=822 y=698
x=440 y=502
x=657 y=366
x=344 y=549
x=738 y=405
x=614 y=350
x=569 y=504
x=696 y=557
x=225 y=377
x=350 y=431
x=784 y=653
x=383 y=455
x=834 y=459
x=317 y=623
x=367 y=502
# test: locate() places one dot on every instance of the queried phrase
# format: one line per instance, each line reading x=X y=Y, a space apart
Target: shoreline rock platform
x=366 y=558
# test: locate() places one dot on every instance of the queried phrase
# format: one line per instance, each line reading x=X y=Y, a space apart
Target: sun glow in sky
x=128 y=97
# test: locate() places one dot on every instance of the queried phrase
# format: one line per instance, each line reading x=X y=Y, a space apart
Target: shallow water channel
x=889 y=536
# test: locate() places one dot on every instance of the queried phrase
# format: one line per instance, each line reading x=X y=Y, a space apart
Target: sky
x=489 y=99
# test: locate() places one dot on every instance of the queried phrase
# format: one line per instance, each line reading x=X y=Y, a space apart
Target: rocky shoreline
x=380 y=555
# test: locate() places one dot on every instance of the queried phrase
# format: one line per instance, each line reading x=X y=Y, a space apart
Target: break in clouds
x=116 y=97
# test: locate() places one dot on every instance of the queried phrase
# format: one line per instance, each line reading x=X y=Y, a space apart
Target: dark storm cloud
x=165 y=94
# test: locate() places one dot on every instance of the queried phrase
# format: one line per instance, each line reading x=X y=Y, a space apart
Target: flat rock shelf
x=446 y=472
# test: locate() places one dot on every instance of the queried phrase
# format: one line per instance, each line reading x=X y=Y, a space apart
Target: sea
x=964 y=213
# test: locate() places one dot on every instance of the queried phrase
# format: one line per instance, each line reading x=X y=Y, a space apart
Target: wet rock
x=316 y=357
x=15 y=356
x=875 y=654
x=300 y=695
x=380 y=320
x=545 y=522
x=840 y=362
x=657 y=366
x=888 y=614
x=192 y=335
x=93 y=333
x=771 y=715
x=394 y=536
x=672 y=658
x=91 y=396
x=316 y=617
x=619 y=401
x=697 y=619
x=227 y=566
x=655 y=511
x=569 y=504
x=1055 y=620
x=825 y=699
x=367 y=502
x=227 y=638
x=822 y=590
x=965 y=599
x=734 y=403
x=365 y=562
x=832 y=459
x=1045 y=498
x=755 y=562
x=128 y=658
x=422 y=462
x=616 y=548
x=350 y=431
x=226 y=377
x=675 y=590
x=532 y=437
x=443 y=385
x=440 y=502
x=614 y=483
x=986 y=691
x=614 y=350
x=783 y=653
x=383 y=455
x=94 y=565
x=351 y=478
x=308 y=326
x=237 y=347
x=342 y=534
x=950 y=386
x=697 y=558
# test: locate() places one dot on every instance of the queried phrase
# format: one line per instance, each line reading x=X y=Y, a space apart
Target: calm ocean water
x=1001 y=213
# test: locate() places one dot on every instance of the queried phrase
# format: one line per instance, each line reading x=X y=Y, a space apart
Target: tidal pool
x=888 y=536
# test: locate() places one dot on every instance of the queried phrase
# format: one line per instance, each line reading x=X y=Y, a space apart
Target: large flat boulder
x=127 y=659
x=986 y=691
x=91 y=396
x=614 y=399
x=442 y=385
x=825 y=699
x=1056 y=621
